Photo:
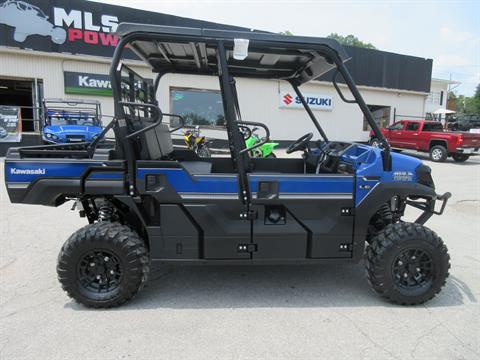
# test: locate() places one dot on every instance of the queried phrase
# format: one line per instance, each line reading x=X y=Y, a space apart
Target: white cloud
x=449 y=34
x=451 y=60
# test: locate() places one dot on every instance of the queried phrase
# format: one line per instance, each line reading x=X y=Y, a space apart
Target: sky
x=446 y=31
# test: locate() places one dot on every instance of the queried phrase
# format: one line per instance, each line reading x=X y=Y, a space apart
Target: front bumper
x=428 y=207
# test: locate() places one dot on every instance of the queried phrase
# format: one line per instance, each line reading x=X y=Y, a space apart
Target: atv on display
x=71 y=121
x=148 y=201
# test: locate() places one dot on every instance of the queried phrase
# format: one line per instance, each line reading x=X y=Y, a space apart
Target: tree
x=350 y=40
x=476 y=101
x=286 y=32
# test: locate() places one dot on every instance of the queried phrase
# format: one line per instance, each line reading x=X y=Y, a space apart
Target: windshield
x=65 y=118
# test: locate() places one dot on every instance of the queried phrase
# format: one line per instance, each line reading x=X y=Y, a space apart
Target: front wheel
x=460 y=157
x=407 y=263
x=103 y=265
x=438 y=153
x=375 y=142
x=204 y=152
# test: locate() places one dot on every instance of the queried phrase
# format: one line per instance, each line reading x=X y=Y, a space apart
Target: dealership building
x=62 y=49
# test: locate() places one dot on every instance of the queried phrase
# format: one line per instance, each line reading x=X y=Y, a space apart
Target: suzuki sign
x=289 y=100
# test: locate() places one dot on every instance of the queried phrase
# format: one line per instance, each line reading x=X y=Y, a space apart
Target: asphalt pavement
x=239 y=312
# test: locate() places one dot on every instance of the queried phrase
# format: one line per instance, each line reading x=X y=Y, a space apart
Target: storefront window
x=381 y=115
x=198 y=107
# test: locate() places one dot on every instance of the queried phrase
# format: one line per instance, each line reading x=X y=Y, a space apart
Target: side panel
x=210 y=201
x=223 y=229
x=316 y=210
x=177 y=237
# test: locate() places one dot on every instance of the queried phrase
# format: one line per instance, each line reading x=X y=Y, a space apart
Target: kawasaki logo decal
x=15 y=171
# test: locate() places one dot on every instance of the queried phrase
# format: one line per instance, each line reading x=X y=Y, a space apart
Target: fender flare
x=380 y=194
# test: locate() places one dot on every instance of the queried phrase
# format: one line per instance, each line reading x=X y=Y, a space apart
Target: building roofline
x=445 y=81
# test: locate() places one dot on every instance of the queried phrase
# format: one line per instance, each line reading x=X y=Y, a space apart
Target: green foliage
x=350 y=40
x=469 y=105
x=286 y=32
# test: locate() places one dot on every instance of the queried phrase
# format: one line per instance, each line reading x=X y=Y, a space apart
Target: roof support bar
x=387 y=164
x=235 y=139
x=309 y=111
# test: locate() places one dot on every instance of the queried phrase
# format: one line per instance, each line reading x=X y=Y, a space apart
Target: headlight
x=51 y=136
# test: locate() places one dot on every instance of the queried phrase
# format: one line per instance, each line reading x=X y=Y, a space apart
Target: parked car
x=71 y=121
x=431 y=137
x=464 y=122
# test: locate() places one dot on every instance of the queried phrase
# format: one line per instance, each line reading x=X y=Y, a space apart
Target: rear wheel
x=438 y=153
x=103 y=265
x=460 y=157
x=407 y=263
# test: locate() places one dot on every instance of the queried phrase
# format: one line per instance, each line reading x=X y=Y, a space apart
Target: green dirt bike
x=251 y=139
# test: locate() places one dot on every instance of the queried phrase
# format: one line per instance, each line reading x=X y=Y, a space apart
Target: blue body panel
x=306 y=184
x=26 y=171
x=183 y=182
x=88 y=132
x=368 y=164
x=366 y=161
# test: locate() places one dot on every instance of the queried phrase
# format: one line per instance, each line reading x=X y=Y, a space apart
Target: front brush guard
x=428 y=207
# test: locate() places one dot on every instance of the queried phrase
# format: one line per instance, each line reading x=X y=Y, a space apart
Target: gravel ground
x=265 y=312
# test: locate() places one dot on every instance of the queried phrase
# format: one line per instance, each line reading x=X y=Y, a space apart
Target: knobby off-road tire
x=407 y=263
x=438 y=153
x=103 y=265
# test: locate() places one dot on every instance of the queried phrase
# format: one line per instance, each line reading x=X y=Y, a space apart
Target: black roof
x=193 y=50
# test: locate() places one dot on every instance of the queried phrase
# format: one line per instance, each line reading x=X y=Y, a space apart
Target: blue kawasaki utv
x=71 y=121
x=146 y=201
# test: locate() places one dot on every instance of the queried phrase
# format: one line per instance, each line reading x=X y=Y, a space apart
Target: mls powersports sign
x=289 y=100
x=51 y=26
x=75 y=26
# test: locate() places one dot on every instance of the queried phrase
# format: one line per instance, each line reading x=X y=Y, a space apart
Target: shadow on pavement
x=212 y=287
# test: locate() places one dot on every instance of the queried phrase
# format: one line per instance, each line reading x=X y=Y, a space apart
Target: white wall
x=436 y=88
x=259 y=99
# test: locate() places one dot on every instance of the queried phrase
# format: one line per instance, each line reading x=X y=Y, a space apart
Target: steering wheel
x=300 y=144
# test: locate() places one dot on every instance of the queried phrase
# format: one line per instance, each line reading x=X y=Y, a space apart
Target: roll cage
x=167 y=49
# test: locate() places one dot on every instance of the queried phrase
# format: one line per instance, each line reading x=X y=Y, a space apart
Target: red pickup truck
x=431 y=137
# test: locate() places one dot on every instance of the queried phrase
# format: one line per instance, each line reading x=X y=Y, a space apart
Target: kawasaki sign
x=92 y=84
x=289 y=100
x=87 y=84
